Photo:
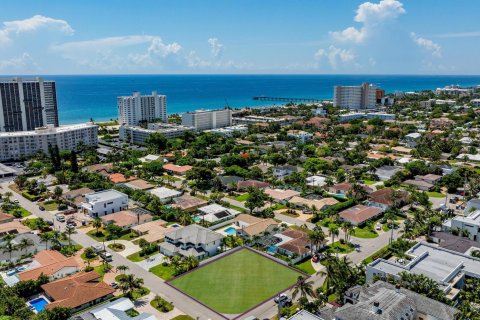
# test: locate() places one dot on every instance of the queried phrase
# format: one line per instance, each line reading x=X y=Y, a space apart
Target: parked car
x=71 y=223
x=280 y=297
x=60 y=217
x=41 y=208
x=114 y=285
x=50 y=223
x=106 y=256
x=15 y=201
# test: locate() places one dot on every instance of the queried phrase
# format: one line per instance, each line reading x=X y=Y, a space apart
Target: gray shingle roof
x=194 y=234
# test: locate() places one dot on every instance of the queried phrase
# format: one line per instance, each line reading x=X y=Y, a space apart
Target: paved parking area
x=151 y=261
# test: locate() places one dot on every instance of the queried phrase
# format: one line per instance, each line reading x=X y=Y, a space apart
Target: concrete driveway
x=151 y=261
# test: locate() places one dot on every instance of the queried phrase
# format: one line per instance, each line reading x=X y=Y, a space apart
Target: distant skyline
x=239 y=37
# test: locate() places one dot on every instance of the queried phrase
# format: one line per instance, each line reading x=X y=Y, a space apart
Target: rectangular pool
x=38 y=304
x=231 y=231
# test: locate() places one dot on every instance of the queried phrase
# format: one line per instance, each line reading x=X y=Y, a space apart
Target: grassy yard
x=182 y=317
x=242 y=197
x=435 y=195
x=365 y=233
x=100 y=270
x=135 y=257
x=305 y=266
x=165 y=272
x=237 y=282
x=103 y=235
x=24 y=213
x=386 y=226
x=369 y=181
x=138 y=293
x=342 y=248
x=238 y=208
x=50 y=205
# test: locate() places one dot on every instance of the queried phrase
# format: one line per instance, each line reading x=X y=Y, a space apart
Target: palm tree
x=45 y=237
x=25 y=243
x=304 y=288
x=333 y=232
x=347 y=229
x=122 y=268
x=130 y=283
x=189 y=263
x=97 y=224
x=69 y=231
x=9 y=247
x=316 y=237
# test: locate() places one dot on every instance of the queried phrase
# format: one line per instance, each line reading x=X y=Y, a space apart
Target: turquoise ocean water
x=83 y=97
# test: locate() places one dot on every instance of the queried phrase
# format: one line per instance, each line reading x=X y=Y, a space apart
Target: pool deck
x=39 y=296
x=222 y=229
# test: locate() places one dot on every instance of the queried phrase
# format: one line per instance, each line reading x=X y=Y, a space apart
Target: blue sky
x=247 y=36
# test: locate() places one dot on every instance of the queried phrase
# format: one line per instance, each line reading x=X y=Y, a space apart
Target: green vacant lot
x=237 y=282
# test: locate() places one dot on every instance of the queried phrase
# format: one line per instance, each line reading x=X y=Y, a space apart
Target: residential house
x=4 y=218
x=317 y=204
x=120 y=178
x=150 y=158
x=385 y=173
x=37 y=246
x=300 y=135
x=316 y=181
x=76 y=197
x=470 y=223
x=243 y=185
x=51 y=263
x=215 y=213
x=13 y=227
x=285 y=170
x=455 y=243
x=104 y=169
x=126 y=219
x=345 y=187
x=419 y=184
x=165 y=195
x=139 y=184
x=229 y=182
x=412 y=139
x=359 y=214
x=115 y=310
x=251 y=227
x=384 y=301
x=98 y=204
x=188 y=202
x=295 y=244
x=153 y=231
x=447 y=268
x=176 y=169
x=192 y=240
x=429 y=178
x=387 y=198
x=281 y=196
x=77 y=292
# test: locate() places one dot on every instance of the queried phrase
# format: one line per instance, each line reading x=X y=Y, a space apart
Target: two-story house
x=98 y=204
x=192 y=240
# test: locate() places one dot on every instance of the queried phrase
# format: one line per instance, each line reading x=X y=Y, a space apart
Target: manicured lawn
x=386 y=226
x=342 y=248
x=238 y=208
x=332 y=297
x=138 y=293
x=237 y=282
x=182 y=317
x=23 y=211
x=100 y=270
x=436 y=195
x=103 y=234
x=50 y=205
x=305 y=266
x=278 y=206
x=242 y=197
x=165 y=272
x=135 y=257
x=117 y=248
x=369 y=181
x=365 y=233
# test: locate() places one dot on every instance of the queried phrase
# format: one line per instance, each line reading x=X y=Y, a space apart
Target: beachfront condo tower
x=136 y=109
x=355 y=97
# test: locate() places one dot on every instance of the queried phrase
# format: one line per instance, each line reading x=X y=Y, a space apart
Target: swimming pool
x=197 y=219
x=39 y=304
x=272 y=250
x=231 y=231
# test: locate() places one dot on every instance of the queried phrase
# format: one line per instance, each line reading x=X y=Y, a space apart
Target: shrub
x=161 y=304
x=29 y=196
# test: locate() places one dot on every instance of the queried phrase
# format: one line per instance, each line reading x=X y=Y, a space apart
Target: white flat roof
x=163 y=192
x=104 y=195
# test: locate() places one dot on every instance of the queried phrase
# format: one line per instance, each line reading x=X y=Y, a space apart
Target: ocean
x=83 y=97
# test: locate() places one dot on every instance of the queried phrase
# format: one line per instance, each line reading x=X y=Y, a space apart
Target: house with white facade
x=165 y=194
x=98 y=204
x=192 y=240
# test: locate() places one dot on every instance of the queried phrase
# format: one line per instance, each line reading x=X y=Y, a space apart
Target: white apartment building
x=21 y=144
x=207 y=119
x=137 y=108
x=230 y=131
x=300 y=135
x=368 y=115
x=99 y=204
x=27 y=104
x=355 y=97
x=453 y=90
x=138 y=135
x=470 y=222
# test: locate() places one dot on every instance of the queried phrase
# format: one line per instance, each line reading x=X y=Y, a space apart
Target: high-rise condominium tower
x=26 y=104
x=136 y=108
x=355 y=97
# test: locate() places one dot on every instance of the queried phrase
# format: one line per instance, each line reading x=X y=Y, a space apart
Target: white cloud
x=16 y=63
x=369 y=15
x=33 y=24
x=335 y=55
x=427 y=44
x=118 y=52
x=215 y=47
